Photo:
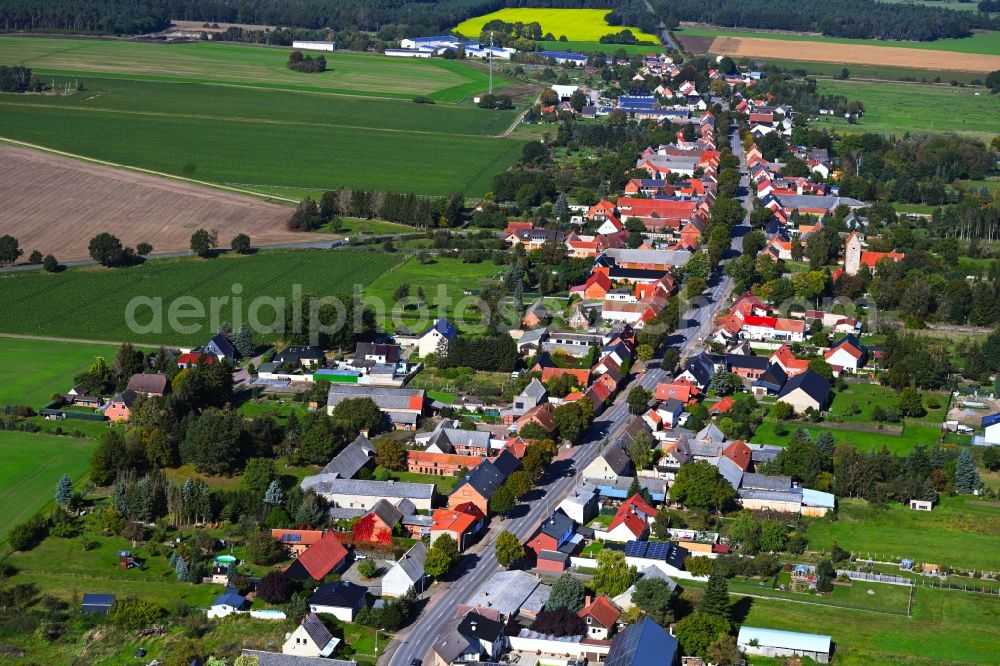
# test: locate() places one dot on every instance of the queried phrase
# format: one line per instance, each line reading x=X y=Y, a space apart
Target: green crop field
x=595 y=47
x=32 y=465
x=244 y=65
x=91 y=303
x=445 y=278
x=960 y=532
x=581 y=25
x=276 y=143
x=987 y=42
x=895 y=108
x=875 y=71
x=32 y=370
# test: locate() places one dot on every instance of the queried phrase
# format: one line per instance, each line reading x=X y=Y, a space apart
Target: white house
x=341 y=599
x=407 y=573
x=440 y=330
x=227 y=603
x=991 y=424
x=581 y=504
x=310 y=639
x=612 y=463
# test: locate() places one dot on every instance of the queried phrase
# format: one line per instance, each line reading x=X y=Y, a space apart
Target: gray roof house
x=310 y=639
x=278 y=659
x=612 y=463
x=510 y=593
x=358 y=494
x=351 y=459
x=407 y=573
x=403 y=406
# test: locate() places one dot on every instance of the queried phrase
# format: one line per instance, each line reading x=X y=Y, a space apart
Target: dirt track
x=853 y=54
x=57 y=204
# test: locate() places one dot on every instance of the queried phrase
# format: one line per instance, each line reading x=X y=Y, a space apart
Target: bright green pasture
x=596 y=47
x=582 y=25
x=987 y=42
x=946 y=628
x=245 y=65
x=961 y=532
x=91 y=303
x=443 y=281
x=32 y=370
x=32 y=465
x=896 y=108
x=286 y=144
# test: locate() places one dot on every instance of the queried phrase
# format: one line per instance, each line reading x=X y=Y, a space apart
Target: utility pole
x=490 y=55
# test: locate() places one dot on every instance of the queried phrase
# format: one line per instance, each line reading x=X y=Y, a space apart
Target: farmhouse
x=151 y=386
x=805 y=391
x=403 y=407
x=774 y=643
x=359 y=494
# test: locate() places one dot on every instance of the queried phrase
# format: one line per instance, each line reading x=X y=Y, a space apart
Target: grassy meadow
x=597 y=47
x=32 y=465
x=32 y=370
x=91 y=302
x=895 y=108
x=230 y=64
x=987 y=42
x=444 y=276
x=960 y=532
x=582 y=25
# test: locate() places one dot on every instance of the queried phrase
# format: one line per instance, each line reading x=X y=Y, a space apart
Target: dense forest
x=859 y=19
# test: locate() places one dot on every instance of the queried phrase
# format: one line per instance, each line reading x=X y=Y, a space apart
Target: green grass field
x=91 y=302
x=987 y=42
x=446 y=278
x=582 y=25
x=895 y=108
x=875 y=71
x=960 y=532
x=32 y=465
x=32 y=370
x=946 y=628
x=595 y=47
x=302 y=143
x=243 y=65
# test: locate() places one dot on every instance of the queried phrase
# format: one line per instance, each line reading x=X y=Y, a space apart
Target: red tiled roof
x=602 y=611
x=323 y=556
x=739 y=453
x=297 y=537
x=722 y=406
x=452 y=521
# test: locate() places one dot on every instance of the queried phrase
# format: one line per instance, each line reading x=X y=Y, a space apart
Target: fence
x=875 y=577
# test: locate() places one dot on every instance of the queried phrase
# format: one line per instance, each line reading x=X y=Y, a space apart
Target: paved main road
x=480 y=562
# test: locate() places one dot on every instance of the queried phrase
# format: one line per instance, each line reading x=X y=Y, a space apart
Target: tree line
x=855 y=19
x=408 y=209
x=17 y=79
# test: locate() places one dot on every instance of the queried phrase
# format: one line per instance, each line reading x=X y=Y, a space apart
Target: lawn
x=947 y=628
x=92 y=303
x=899 y=443
x=960 y=532
x=896 y=108
x=444 y=282
x=884 y=598
x=582 y=25
x=987 y=42
x=302 y=143
x=32 y=370
x=33 y=464
x=444 y=484
x=354 y=74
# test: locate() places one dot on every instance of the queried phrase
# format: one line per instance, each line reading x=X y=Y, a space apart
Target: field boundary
x=151 y=172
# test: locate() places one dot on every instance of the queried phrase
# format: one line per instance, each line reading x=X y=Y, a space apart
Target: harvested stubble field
x=850 y=54
x=56 y=204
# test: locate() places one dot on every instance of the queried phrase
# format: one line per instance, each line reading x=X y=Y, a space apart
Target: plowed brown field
x=853 y=54
x=56 y=204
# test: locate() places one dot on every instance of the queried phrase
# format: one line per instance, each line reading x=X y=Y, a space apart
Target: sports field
x=32 y=370
x=946 y=628
x=580 y=25
x=32 y=465
x=244 y=65
x=91 y=303
x=961 y=532
x=280 y=143
x=896 y=108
